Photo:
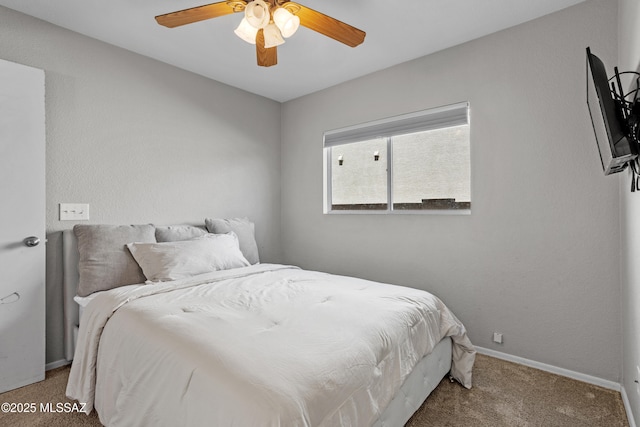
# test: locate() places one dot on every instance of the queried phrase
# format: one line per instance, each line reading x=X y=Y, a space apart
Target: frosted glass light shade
x=286 y=21
x=272 y=36
x=257 y=14
x=246 y=31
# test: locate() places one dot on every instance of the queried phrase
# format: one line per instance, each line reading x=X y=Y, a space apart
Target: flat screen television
x=615 y=147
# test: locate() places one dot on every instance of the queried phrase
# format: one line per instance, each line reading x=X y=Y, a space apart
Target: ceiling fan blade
x=266 y=56
x=195 y=14
x=330 y=27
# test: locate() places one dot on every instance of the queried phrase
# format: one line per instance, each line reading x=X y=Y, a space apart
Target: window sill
x=401 y=212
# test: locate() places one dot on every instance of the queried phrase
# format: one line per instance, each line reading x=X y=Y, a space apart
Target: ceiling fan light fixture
x=257 y=14
x=246 y=31
x=272 y=36
x=266 y=23
x=286 y=21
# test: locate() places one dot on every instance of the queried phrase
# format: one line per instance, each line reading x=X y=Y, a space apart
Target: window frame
x=419 y=121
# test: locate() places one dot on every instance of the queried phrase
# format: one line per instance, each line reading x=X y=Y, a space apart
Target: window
x=414 y=162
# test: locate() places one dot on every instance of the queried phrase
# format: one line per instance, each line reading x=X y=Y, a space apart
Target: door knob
x=32 y=241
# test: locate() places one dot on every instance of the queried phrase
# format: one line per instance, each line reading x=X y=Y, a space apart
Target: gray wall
x=629 y=60
x=536 y=259
x=141 y=141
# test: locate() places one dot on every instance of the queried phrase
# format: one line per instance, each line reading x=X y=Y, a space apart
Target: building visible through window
x=415 y=162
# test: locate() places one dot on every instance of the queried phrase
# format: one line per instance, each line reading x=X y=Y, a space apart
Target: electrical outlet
x=497 y=337
x=74 y=211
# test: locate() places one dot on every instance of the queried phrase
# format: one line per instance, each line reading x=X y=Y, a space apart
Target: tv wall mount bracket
x=628 y=110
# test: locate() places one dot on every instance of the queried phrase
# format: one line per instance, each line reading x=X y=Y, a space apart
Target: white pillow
x=244 y=229
x=178 y=260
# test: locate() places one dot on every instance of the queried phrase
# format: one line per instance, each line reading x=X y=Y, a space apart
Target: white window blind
x=435 y=118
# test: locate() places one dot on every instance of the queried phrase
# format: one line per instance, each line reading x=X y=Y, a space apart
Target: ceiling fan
x=266 y=23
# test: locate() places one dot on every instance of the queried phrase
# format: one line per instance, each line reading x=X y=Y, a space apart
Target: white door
x=22 y=216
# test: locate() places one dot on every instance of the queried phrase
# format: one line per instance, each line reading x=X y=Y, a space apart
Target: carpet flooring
x=506 y=394
x=503 y=394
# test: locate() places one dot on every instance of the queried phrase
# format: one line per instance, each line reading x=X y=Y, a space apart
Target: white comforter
x=266 y=345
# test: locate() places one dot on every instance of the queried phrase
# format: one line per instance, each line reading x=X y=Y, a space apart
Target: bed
x=251 y=344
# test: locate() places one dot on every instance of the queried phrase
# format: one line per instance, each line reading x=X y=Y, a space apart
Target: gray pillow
x=105 y=262
x=244 y=229
x=176 y=233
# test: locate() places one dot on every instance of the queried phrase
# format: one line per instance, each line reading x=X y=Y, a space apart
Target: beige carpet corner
x=510 y=395
x=504 y=394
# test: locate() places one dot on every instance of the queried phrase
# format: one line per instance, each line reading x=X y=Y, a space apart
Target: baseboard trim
x=612 y=385
x=627 y=407
x=53 y=365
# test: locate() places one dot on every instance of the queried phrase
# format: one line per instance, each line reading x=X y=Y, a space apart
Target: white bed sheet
x=283 y=346
x=84 y=301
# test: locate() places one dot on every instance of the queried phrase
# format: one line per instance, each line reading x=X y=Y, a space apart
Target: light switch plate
x=74 y=211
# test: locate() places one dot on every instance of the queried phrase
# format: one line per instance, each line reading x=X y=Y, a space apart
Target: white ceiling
x=307 y=62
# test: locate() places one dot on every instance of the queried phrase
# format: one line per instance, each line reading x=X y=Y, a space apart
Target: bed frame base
x=424 y=378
